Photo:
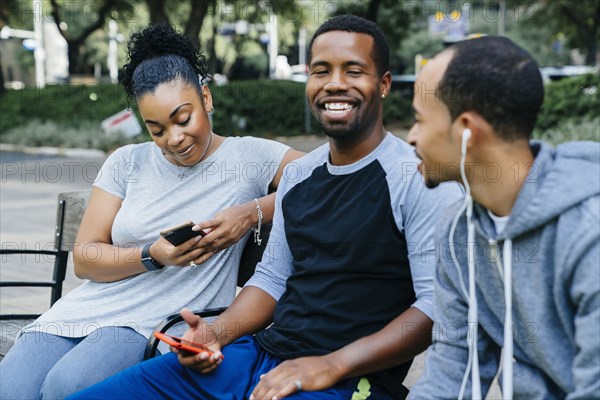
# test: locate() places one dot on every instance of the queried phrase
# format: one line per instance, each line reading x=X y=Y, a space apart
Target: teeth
x=338 y=106
x=184 y=150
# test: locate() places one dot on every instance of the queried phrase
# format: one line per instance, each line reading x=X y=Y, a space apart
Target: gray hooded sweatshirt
x=555 y=231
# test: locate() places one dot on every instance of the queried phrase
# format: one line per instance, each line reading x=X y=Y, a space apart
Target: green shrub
x=265 y=108
x=68 y=106
x=576 y=98
x=48 y=133
x=397 y=110
x=571 y=129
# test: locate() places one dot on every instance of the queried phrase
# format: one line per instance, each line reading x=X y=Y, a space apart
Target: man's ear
x=386 y=84
x=474 y=123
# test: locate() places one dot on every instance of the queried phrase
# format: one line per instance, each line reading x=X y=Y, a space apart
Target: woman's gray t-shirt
x=155 y=198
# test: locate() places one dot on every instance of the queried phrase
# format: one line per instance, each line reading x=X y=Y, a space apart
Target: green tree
x=578 y=20
x=201 y=19
x=76 y=25
x=196 y=11
x=394 y=17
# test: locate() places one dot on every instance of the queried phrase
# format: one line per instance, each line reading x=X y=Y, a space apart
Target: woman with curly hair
x=134 y=277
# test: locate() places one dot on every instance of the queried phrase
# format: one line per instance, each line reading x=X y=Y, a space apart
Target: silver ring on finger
x=193 y=264
x=298 y=384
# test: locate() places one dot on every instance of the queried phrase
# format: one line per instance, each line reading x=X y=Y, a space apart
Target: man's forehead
x=335 y=39
x=434 y=70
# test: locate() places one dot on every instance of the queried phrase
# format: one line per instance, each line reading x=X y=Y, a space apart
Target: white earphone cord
x=505 y=273
x=473 y=362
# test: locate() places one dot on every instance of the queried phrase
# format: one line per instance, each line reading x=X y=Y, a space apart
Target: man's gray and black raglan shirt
x=351 y=249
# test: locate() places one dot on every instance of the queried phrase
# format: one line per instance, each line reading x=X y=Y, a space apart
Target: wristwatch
x=149 y=262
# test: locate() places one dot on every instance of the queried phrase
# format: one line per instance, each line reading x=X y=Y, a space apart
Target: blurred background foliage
x=556 y=32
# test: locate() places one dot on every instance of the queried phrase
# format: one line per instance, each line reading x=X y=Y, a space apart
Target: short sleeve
x=261 y=159
x=110 y=178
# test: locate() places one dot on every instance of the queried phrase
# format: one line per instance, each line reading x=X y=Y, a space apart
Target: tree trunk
x=373 y=10
x=196 y=19
x=157 y=11
x=212 y=51
x=74 y=44
x=73 y=53
x=592 y=48
x=2 y=89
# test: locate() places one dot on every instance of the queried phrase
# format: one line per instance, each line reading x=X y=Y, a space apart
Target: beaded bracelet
x=257 y=238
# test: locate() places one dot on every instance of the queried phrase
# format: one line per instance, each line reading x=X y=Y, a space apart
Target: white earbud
x=466 y=135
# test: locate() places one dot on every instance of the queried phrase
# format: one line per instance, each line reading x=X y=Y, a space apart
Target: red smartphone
x=184 y=345
x=181 y=233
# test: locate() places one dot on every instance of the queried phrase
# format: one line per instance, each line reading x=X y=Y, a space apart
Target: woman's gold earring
x=383 y=95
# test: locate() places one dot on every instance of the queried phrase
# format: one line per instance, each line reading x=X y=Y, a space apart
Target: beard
x=340 y=130
x=431 y=184
x=429 y=181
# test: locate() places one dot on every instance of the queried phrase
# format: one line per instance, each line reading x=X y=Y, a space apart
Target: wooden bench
x=70 y=208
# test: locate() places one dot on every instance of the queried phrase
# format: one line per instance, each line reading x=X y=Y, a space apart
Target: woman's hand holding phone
x=200 y=332
x=227 y=227
x=191 y=244
x=185 y=252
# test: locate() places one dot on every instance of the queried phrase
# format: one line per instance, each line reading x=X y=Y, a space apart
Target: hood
x=561 y=178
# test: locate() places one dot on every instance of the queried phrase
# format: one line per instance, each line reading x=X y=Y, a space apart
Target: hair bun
x=159 y=40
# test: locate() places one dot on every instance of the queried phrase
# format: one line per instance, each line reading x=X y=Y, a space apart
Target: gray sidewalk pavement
x=29 y=185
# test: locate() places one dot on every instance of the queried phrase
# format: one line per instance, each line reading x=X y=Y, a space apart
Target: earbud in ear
x=466 y=135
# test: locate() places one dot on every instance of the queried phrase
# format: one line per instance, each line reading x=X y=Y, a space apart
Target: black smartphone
x=181 y=233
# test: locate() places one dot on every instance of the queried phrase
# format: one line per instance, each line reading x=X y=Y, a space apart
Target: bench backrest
x=71 y=206
x=69 y=212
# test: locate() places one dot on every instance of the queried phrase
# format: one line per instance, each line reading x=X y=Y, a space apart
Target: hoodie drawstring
x=507 y=348
x=473 y=323
x=472 y=316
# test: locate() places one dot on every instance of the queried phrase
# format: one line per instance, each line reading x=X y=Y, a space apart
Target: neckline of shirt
x=358 y=165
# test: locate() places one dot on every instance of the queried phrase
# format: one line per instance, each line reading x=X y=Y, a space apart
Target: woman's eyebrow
x=173 y=113
x=176 y=110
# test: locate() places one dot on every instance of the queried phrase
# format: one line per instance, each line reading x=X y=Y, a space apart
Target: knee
x=63 y=382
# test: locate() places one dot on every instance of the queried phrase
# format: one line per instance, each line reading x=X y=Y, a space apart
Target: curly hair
x=160 y=54
x=353 y=23
x=497 y=79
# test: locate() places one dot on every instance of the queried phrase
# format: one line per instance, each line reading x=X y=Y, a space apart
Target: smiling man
x=346 y=281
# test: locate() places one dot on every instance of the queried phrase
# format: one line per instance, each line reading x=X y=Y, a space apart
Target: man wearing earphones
x=519 y=278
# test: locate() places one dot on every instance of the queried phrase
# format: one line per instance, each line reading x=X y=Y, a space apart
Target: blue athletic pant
x=245 y=361
x=42 y=365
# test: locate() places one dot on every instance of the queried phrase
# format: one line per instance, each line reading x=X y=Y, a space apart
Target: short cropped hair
x=157 y=55
x=353 y=23
x=497 y=79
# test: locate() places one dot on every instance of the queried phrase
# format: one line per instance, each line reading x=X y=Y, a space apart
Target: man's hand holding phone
x=200 y=332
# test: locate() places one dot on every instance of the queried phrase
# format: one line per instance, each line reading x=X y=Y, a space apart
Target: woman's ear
x=207 y=99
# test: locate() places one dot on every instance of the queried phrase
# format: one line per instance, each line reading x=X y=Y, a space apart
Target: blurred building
x=17 y=48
